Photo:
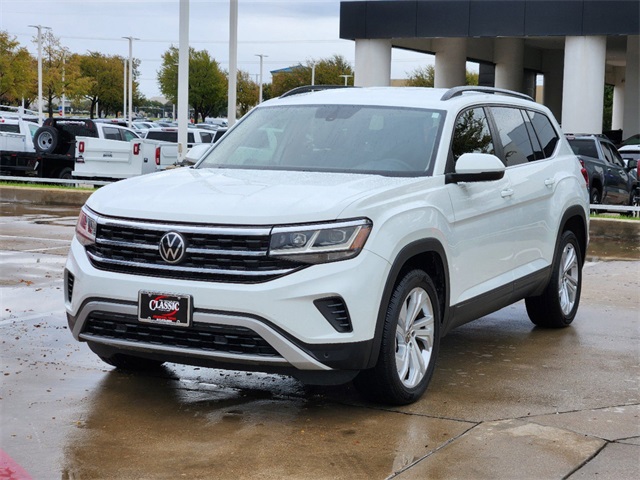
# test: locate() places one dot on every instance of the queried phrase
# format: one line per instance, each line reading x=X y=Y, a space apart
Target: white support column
x=631 y=124
x=552 y=66
x=451 y=62
x=509 y=59
x=583 y=93
x=617 y=114
x=373 y=63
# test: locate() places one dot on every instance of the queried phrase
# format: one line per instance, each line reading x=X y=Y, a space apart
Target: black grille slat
x=222 y=255
x=200 y=336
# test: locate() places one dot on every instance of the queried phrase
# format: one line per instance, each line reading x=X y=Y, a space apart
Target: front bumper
x=281 y=313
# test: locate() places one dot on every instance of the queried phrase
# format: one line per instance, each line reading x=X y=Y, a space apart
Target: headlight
x=320 y=243
x=86 y=227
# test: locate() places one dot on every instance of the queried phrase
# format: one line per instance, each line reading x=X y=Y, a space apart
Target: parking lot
x=507 y=401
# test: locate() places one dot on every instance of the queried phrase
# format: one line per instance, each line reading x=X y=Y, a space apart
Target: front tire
x=410 y=343
x=558 y=304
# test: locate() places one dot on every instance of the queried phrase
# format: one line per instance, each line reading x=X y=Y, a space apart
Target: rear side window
x=206 y=137
x=112 y=133
x=546 y=134
x=516 y=144
x=585 y=148
x=472 y=134
x=4 y=127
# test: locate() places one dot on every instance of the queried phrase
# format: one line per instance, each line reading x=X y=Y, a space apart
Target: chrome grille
x=220 y=254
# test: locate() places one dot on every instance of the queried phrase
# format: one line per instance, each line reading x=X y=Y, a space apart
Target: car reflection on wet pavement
x=508 y=400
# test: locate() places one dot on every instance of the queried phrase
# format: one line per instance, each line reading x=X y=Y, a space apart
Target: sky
x=286 y=32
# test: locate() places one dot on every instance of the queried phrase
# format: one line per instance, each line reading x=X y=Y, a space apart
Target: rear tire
x=558 y=304
x=46 y=139
x=410 y=343
x=65 y=174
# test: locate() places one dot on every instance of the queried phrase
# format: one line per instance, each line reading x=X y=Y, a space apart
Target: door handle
x=506 y=193
x=549 y=182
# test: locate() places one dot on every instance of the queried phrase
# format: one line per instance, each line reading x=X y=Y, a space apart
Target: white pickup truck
x=104 y=159
x=17 y=135
x=49 y=151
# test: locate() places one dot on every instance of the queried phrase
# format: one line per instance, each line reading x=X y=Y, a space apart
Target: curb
x=44 y=196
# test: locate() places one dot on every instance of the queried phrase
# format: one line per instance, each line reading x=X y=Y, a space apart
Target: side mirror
x=632 y=164
x=476 y=167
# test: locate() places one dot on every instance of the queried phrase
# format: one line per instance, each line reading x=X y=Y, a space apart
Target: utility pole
x=130 y=110
x=261 y=55
x=124 y=89
x=40 y=27
x=183 y=79
x=233 y=63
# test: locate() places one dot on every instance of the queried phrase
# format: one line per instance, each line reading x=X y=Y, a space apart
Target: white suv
x=336 y=235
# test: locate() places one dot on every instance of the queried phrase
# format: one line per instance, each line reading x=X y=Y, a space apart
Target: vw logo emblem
x=172 y=247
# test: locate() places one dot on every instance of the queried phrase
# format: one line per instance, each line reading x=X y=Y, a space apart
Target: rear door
x=529 y=143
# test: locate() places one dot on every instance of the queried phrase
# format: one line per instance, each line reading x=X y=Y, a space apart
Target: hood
x=230 y=196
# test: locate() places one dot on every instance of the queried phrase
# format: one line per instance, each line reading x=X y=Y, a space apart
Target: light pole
x=232 y=97
x=124 y=89
x=130 y=110
x=346 y=77
x=261 y=55
x=40 y=27
x=313 y=73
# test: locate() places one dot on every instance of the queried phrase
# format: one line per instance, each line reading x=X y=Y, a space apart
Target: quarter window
x=472 y=134
x=545 y=132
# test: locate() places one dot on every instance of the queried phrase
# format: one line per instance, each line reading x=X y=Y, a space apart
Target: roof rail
x=457 y=91
x=311 y=88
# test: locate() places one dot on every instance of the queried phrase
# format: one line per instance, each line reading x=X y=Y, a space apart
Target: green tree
x=422 y=77
x=207 y=82
x=18 y=72
x=425 y=77
x=328 y=71
x=247 y=94
x=54 y=57
x=607 y=112
x=102 y=79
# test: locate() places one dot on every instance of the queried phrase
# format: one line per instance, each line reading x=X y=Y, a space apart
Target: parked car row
x=612 y=173
x=67 y=147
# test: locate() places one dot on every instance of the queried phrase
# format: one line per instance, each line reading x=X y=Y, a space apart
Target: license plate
x=164 y=308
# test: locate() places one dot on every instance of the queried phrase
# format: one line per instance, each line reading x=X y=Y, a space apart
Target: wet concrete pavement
x=507 y=401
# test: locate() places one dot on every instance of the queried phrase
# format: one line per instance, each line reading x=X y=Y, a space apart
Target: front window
x=332 y=138
x=472 y=134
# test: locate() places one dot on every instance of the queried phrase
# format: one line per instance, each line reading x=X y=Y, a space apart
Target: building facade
x=577 y=45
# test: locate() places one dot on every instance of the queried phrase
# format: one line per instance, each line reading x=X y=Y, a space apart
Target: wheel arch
x=428 y=255
x=575 y=219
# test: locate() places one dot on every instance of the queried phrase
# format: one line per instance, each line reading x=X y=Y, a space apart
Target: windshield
x=332 y=138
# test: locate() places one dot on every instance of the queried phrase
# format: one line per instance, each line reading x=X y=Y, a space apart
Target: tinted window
x=112 y=133
x=612 y=155
x=513 y=135
x=472 y=134
x=546 y=134
x=166 y=136
x=9 y=128
x=586 y=148
x=206 y=137
x=537 y=149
